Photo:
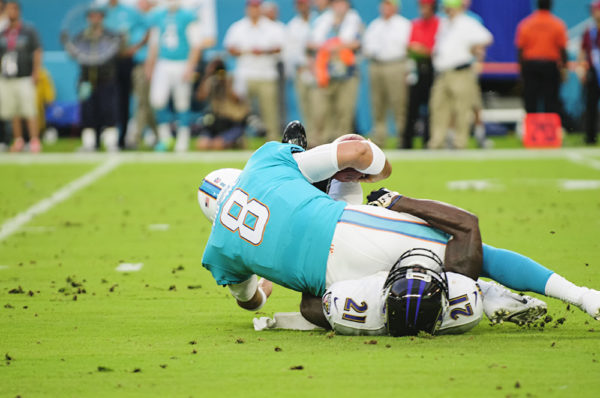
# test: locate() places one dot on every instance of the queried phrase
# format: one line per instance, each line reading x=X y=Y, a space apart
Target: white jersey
x=357 y=307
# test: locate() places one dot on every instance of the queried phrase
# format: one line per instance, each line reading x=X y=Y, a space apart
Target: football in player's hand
x=349 y=174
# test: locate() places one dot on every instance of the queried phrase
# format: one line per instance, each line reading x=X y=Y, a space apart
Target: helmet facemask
x=416 y=294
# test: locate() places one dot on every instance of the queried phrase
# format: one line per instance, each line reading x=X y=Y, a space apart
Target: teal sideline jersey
x=122 y=19
x=137 y=34
x=172 y=27
x=273 y=223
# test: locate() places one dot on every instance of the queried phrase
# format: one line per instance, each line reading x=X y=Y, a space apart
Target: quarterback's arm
x=251 y=294
x=312 y=310
x=324 y=161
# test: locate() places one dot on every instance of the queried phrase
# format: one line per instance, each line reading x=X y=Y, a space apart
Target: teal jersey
x=122 y=19
x=138 y=32
x=273 y=223
x=172 y=27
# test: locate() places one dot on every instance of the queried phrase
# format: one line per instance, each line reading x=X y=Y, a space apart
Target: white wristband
x=378 y=162
x=263 y=301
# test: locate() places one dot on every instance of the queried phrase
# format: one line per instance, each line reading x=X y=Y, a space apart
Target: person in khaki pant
x=451 y=100
x=266 y=94
x=256 y=42
x=385 y=44
x=459 y=38
x=333 y=108
x=297 y=65
x=336 y=40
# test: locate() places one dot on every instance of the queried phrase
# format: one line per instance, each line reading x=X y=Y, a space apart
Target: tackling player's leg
x=522 y=273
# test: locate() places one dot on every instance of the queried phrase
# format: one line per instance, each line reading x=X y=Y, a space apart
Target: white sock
x=164 y=133
x=183 y=139
x=560 y=288
x=88 y=139
x=479 y=132
x=110 y=138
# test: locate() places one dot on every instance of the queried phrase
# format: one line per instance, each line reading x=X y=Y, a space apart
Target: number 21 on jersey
x=248 y=217
x=351 y=305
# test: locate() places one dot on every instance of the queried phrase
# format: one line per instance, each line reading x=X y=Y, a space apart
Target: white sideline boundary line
x=581 y=160
x=12 y=225
x=242 y=156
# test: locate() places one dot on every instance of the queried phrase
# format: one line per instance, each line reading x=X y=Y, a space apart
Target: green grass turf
x=168 y=330
x=24 y=185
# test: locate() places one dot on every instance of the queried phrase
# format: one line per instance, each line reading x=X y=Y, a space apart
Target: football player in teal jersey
x=316 y=241
x=175 y=48
x=260 y=217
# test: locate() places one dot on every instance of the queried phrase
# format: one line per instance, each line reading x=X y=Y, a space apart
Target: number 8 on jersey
x=248 y=217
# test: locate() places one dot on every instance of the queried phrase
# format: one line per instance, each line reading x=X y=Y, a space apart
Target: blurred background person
x=255 y=41
x=541 y=40
x=225 y=119
x=45 y=95
x=3 y=136
x=590 y=73
x=175 y=49
x=270 y=10
x=321 y=6
x=3 y=17
x=96 y=50
x=297 y=65
x=459 y=38
x=336 y=37
x=207 y=19
x=126 y=21
x=420 y=47
x=143 y=113
x=479 y=58
x=20 y=65
x=385 y=44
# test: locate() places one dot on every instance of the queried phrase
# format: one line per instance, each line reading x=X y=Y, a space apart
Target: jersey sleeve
x=479 y=34
x=231 y=37
x=225 y=277
x=520 y=36
x=562 y=38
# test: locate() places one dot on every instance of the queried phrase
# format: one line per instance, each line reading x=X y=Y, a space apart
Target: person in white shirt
x=459 y=38
x=297 y=63
x=336 y=39
x=270 y=10
x=385 y=44
x=256 y=42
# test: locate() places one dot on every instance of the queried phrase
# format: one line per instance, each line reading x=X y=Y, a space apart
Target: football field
x=102 y=291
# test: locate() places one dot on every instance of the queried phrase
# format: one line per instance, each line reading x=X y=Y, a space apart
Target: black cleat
x=295 y=133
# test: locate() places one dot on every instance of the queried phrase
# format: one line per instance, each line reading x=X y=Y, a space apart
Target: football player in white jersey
x=363 y=306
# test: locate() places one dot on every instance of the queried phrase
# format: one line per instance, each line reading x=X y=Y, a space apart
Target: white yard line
x=580 y=159
x=129 y=267
x=13 y=225
x=242 y=156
